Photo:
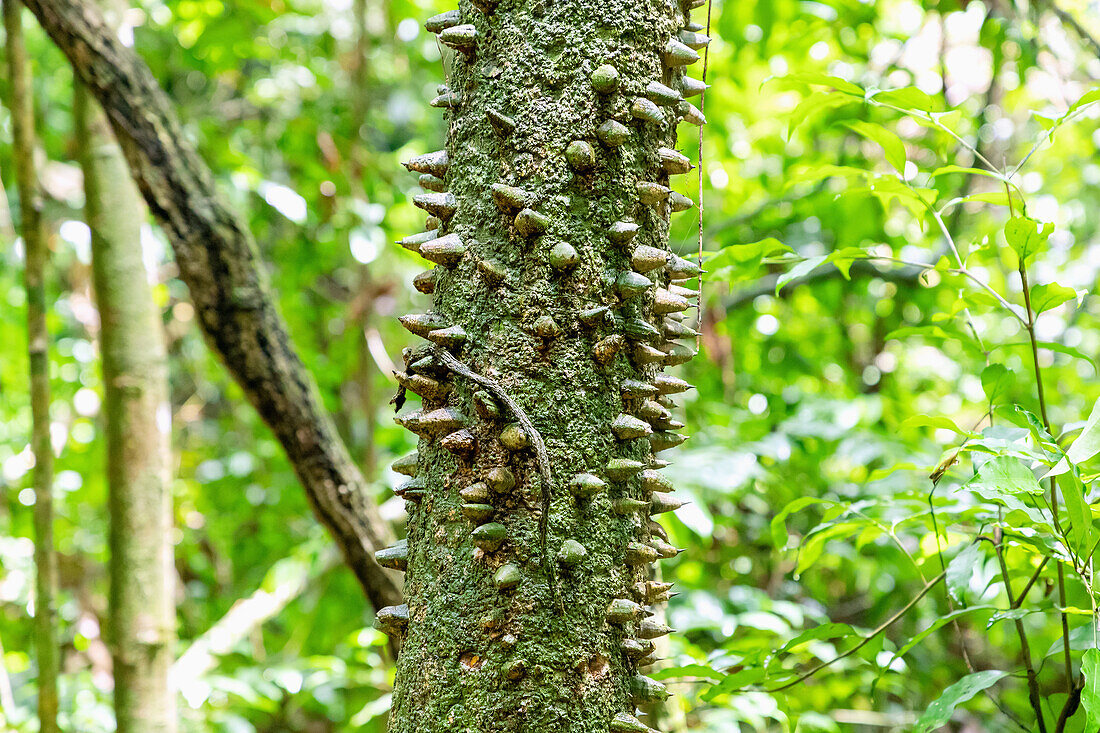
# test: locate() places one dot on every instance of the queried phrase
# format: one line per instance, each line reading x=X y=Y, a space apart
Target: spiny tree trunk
x=36 y=256
x=555 y=288
x=220 y=263
x=138 y=423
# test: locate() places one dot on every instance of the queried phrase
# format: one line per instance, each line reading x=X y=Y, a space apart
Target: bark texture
x=527 y=600
x=36 y=257
x=219 y=260
x=138 y=424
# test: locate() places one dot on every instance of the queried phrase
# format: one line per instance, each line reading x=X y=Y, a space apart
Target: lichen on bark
x=550 y=208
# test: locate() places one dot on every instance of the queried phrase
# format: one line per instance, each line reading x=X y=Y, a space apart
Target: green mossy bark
x=476 y=657
x=138 y=419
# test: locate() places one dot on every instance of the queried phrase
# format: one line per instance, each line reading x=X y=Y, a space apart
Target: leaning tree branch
x=220 y=263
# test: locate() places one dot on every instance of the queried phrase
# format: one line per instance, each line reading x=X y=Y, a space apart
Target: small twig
x=943 y=567
x=1072 y=703
x=866 y=639
x=702 y=110
x=1067 y=19
x=542 y=458
x=1047 y=134
x=1031 y=316
x=1030 y=582
x=1033 y=693
x=927 y=116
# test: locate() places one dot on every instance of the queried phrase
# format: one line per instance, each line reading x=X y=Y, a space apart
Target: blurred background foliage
x=304 y=109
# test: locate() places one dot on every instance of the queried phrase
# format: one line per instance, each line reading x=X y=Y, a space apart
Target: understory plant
x=1004 y=527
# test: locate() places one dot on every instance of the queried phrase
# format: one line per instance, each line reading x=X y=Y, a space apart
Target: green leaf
x=938 y=120
x=880 y=473
x=939 y=712
x=1050 y=295
x=821 y=631
x=932 y=628
x=747 y=252
x=812 y=547
x=891 y=144
x=742 y=261
x=1045 y=122
x=802 y=268
x=841 y=85
x=1006 y=475
x=1019 y=514
x=1067 y=350
x=961 y=569
x=812 y=106
x=816 y=173
x=997 y=379
x=1026 y=236
x=944 y=170
x=1088 y=97
x=934 y=421
x=934 y=333
x=734 y=682
x=1081 y=638
x=998 y=198
x=1080 y=516
x=1090 y=695
x=1052 y=346
x=1010 y=614
x=779 y=521
x=1085 y=446
x=906 y=97
x=887 y=188
x=688 y=670
x=844 y=257
x=1026 y=419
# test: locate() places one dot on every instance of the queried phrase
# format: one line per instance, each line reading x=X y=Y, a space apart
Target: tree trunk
x=36 y=256
x=138 y=424
x=530 y=539
x=220 y=263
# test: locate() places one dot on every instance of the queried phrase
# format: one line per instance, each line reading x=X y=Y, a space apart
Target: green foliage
x=939 y=712
x=1090 y=694
x=850 y=352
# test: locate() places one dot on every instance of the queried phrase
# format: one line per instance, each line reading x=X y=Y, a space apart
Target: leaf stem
x=1068 y=658
x=1033 y=694
x=1030 y=582
x=959 y=271
x=939 y=125
x=1043 y=138
x=865 y=640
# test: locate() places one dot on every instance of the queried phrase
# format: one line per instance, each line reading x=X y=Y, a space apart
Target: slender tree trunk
x=528 y=565
x=36 y=255
x=366 y=374
x=220 y=263
x=138 y=424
